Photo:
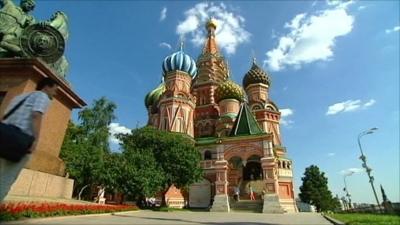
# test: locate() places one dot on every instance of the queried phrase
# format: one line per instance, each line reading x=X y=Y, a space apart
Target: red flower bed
x=13 y=211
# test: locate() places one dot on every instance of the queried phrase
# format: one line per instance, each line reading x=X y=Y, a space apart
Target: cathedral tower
x=212 y=70
x=171 y=105
x=256 y=83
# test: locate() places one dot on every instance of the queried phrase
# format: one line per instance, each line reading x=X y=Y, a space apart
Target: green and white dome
x=154 y=96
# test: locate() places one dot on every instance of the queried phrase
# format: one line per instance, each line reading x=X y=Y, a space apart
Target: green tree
x=86 y=145
x=112 y=174
x=314 y=189
x=170 y=157
x=143 y=175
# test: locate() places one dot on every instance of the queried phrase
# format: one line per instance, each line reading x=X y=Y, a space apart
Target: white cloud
x=163 y=14
x=351 y=171
x=349 y=106
x=165 y=45
x=333 y=2
x=369 y=103
x=331 y=154
x=361 y=7
x=285 y=113
x=230 y=31
x=116 y=128
x=339 y=3
x=394 y=29
x=310 y=37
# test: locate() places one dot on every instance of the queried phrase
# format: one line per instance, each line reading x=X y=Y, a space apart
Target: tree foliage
x=159 y=159
x=142 y=172
x=314 y=189
x=86 y=147
x=151 y=160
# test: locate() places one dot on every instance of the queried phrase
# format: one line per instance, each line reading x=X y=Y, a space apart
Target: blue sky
x=334 y=69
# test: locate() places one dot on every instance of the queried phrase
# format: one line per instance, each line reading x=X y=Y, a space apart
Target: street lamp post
x=363 y=158
x=347 y=190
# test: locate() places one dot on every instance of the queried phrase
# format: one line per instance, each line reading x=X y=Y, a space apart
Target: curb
x=333 y=221
x=28 y=220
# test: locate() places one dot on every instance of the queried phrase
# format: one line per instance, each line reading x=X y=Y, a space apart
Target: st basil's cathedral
x=236 y=129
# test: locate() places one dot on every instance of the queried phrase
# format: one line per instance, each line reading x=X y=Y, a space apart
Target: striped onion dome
x=179 y=61
x=153 y=96
x=229 y=90
x=256 y=75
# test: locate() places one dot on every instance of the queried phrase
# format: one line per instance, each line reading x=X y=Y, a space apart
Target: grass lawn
x=366 y=219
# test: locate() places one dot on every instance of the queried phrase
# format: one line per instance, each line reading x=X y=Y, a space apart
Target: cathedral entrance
x=245 y=172
x=252 y=169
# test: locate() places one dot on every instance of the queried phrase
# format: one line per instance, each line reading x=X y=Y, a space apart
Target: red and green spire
x=211 y=63
x=211 y=45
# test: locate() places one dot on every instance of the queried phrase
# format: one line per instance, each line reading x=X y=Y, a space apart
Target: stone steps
x=247 y=205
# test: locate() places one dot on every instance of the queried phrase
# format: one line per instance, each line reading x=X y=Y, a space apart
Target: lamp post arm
x=359 y=142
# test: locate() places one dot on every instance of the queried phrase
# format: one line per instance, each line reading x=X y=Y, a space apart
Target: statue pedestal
x=220 y=204
x=271 y=204
x=19 y=76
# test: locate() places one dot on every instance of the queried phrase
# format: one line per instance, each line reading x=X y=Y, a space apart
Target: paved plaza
x=190 y=218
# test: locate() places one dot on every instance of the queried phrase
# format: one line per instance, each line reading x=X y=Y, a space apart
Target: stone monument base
x=43 y=174
x=271 y=204
x=289 y=205
x=220 y=204
x=39 y=184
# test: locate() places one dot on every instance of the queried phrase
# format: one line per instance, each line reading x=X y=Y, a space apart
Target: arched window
x=207 y=155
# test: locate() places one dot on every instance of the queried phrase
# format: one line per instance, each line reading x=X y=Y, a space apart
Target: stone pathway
x=189 y=218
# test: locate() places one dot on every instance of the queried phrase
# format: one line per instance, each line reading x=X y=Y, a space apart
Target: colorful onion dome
x=256 y=75
x=229 y=90
x=179 y=61
x=154 y=96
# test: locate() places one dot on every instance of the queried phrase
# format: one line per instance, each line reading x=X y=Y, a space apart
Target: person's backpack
x=14 y=143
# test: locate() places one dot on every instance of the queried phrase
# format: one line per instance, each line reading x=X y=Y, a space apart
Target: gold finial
x=211 y=23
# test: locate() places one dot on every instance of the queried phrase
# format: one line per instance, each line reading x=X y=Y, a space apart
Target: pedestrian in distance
x=251 y=193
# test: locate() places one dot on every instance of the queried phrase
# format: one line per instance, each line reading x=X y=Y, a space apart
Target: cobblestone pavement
x=190 y=218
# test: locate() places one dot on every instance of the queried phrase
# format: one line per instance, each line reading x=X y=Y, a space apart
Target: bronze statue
x=13 y=20
x=22 y=36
